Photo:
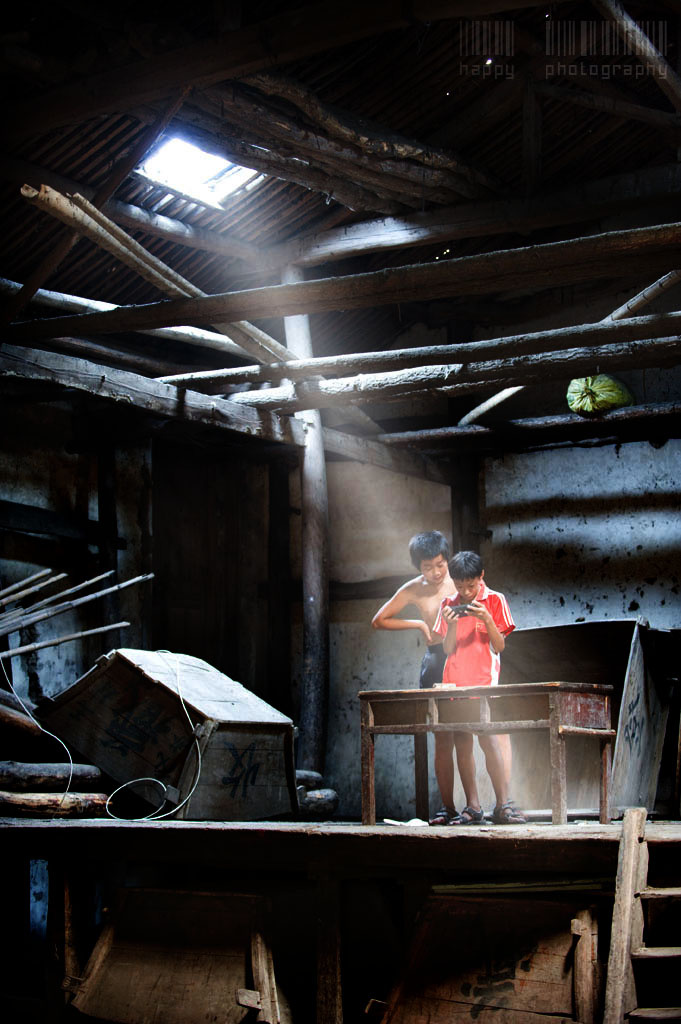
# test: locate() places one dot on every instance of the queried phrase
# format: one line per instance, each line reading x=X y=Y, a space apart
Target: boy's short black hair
x=427 y=545
x=465 y=565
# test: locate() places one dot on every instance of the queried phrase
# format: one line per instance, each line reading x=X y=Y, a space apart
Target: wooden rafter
x=236 y=53
x=459 y=378
x=479 y=219
x=134 y=217
x=194 y=410
x=534 y=268
x=664 y=75
x=601 y=333
x=634 y=423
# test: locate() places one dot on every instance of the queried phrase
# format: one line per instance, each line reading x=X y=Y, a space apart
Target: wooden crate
x=613 y=652
x=492 y=959
x=142 y=715
x=172 y=957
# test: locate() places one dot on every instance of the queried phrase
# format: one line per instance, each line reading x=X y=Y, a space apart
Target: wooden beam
x=603 y=332
x=278 y=40
x=459 y=378
x=335 y=142
x=371 y=139
x=78 y=213
x=663 y=119
x=664 y=75
x=362 y=449
x=479 y=219
x=634 y=423
x=77 y=304
x=135 y=217
x=131 y=390
x=65 y=242
x=535 y=267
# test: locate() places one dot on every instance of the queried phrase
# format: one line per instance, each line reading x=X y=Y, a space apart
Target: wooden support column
x=315 y=678
x=278 y=689
x=329 y=990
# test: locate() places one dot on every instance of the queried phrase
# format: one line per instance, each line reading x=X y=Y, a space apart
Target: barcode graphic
x=486 y=38
x=564 y=38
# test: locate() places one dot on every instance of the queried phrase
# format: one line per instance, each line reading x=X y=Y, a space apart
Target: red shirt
x=474 y=662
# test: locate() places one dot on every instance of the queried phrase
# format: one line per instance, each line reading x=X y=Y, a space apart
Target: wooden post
x=367 y=740
x=558 y=764
x=329 y=991
x=421 y=774
x=278 y=690
x=583 y=926
x=315 y=679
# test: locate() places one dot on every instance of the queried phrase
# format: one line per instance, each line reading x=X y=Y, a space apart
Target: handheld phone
x=457 y=609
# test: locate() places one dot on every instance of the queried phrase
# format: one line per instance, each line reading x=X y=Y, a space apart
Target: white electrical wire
x=157 y=815
x=46 y=731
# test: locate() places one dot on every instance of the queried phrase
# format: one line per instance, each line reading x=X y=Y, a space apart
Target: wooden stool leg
x=421 y=774
x=558 y=773
x=367 y=752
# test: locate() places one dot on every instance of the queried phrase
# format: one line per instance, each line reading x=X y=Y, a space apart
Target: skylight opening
x=208 y=178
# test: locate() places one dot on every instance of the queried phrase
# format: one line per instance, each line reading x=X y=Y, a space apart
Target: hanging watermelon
x=597 y=394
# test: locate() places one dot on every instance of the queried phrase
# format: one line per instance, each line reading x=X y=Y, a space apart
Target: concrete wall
x=586 y=534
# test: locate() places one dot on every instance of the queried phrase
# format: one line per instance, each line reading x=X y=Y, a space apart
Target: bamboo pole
x=19 y=595
x=19 y=612
x=22 y=583
x=65 y=593
x=90 y=222
x=30 y=648
x=118 y=174
x=643 y=298
x=47 y=613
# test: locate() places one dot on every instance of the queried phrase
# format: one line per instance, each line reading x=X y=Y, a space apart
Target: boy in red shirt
x=474 y=626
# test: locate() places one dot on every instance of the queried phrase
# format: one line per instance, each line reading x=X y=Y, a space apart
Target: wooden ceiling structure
x=456 y=164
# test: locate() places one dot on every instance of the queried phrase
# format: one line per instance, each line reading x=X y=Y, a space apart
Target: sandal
x=469 y=816
x=446 y=816
x=506 y=814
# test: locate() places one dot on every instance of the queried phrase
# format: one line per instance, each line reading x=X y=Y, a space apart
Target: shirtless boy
x=429 y=554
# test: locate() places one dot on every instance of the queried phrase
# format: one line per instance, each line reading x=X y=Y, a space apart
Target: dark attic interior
x=283 y=286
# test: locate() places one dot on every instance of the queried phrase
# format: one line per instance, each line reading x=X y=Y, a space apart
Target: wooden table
x=564 y=709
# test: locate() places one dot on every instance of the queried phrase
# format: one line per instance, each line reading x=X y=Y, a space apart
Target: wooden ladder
x=627 y=943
